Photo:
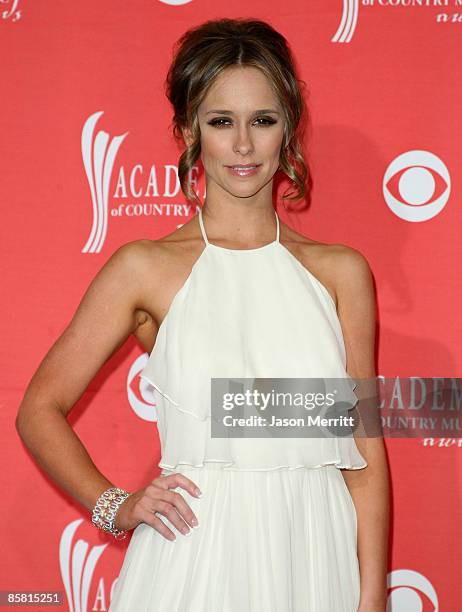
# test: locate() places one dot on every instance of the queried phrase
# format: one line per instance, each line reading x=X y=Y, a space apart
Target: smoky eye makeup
x=221 y=121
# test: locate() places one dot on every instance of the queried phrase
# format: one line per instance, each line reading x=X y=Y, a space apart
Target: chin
x=246 y=191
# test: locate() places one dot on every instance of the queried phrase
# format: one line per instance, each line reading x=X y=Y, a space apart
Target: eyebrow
x=229 y=112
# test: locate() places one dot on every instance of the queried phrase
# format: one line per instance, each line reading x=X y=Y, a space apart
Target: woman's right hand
x=140 y=506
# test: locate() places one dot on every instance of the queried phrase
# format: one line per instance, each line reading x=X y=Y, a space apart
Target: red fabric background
x=391 y=84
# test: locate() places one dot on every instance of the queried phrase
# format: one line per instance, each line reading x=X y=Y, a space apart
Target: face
x=241 y=124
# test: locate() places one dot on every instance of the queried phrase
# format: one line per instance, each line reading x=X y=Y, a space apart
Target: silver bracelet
x=105 y=511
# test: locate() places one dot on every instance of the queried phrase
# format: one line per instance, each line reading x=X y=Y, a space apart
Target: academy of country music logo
x=77 y=561
x=99 y=152
x=416 y=186
x=12 y=13
x=349 y=18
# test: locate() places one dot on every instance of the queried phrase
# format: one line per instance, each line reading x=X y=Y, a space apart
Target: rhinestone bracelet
x=105 y=511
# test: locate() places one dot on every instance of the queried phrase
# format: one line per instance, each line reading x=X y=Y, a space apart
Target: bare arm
x=369 y=487
x=104 y=319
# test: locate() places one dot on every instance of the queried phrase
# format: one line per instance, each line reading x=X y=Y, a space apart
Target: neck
x=240 y=226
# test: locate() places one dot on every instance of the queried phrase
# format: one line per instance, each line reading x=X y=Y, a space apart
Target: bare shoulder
x=156 y=259
x=349 y=265
x=352 y=272
x=180 y=242
x=161 y=267
x=131 y=255
x=357 y=309
x=349 y=271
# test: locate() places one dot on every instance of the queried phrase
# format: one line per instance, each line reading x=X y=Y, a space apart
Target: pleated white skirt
x=268 y=541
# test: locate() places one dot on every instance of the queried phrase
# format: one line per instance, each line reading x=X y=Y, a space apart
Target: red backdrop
x=88 y=163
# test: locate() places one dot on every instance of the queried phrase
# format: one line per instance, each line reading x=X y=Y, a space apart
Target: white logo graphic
x=442 y=442
x=98 y=158
x=12 y=14
x=144 y=409
x=407 y=587
x=175 y=2
x=77 y=567
x=414 y=174
x=349 y=19
x=348 y=22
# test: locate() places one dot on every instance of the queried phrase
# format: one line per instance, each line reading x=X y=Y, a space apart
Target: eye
x=218 y=122
x=266 y=120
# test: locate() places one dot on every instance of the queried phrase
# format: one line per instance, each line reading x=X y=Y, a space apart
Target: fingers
x=178 y=480
x=161 y=500
x=170 y=512
x=156 y=523
x=178 y=511
x=176 y=499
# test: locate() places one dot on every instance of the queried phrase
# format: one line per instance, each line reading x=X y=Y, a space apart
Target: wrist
x=105 y=511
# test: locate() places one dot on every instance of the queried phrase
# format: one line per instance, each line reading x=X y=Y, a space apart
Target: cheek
x=214 y=146
x=270 y=143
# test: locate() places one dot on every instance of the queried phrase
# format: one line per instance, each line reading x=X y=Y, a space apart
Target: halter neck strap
x=201 y=225
x=204 y=233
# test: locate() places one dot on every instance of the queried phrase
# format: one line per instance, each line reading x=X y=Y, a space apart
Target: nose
x=243 y=142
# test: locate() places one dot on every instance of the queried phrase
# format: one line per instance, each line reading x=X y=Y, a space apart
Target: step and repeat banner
x=89 y=163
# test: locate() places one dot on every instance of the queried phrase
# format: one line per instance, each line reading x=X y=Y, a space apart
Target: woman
x=289 y=524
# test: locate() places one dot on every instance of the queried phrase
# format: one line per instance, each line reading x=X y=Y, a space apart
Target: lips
x=244 y=171
x=242 y=167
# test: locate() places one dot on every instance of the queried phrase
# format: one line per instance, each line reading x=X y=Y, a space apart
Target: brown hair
x=200 y=56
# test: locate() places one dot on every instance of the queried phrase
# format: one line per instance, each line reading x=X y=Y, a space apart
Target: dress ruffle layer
x=188 y=441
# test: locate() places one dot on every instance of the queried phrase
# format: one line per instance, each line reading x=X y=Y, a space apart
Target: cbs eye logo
x=410 y=591
x=416 y=186
x=141 y=395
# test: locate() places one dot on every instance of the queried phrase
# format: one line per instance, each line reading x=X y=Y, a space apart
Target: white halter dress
x=277 y=524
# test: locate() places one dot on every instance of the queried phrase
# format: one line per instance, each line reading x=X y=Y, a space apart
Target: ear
x=187 y=136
